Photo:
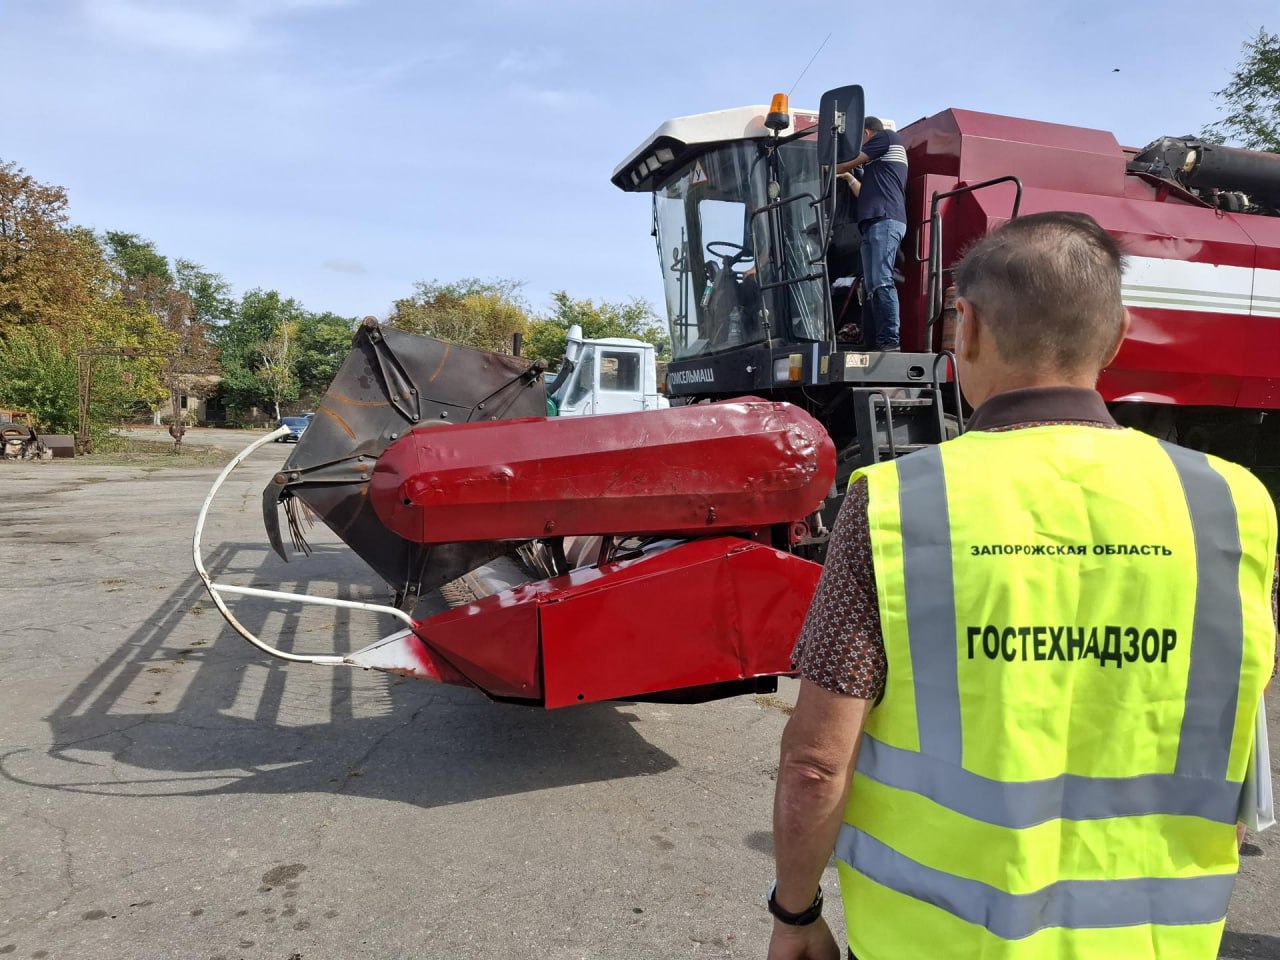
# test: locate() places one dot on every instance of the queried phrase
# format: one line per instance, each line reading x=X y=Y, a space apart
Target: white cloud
x=181 y=30
x=343 y=265
x=529 y=61
x=397 y=71
x=550 y=97
x=195 y=27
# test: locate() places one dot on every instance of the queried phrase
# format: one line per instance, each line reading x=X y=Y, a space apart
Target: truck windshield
x=717 y=252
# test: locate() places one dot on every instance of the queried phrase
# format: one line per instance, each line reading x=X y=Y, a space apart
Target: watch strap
x=801 y=919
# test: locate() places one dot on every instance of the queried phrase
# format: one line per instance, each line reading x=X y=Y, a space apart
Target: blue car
x=297 y=426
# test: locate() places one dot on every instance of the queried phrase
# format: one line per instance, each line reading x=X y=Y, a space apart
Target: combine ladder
x=891 y=422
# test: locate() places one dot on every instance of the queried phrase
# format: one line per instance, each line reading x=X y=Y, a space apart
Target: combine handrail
x=950 y=357
x=216 y=589
x=934 y=280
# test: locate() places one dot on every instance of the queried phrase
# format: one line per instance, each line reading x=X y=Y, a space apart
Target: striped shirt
x=884 y=179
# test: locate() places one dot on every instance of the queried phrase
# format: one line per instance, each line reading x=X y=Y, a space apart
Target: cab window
x=620 y=371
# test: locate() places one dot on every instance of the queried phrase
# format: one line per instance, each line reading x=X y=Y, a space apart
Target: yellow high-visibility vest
x=1078 y=628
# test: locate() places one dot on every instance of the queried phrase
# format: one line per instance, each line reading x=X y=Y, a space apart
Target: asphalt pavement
x=167 y=791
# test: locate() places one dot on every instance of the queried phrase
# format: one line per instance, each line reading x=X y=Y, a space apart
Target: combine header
x=424 y=459
x=671 y=554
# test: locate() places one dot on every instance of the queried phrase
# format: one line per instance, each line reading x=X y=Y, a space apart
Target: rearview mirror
x=840 y=116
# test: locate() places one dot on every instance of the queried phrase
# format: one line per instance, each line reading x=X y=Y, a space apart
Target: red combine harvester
x=672 y=554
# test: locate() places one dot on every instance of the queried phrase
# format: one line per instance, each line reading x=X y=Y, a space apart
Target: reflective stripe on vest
x=1069 y=797
x=931 y=600
x=1217 y=635
x=1197 y=787
x=1067 y=903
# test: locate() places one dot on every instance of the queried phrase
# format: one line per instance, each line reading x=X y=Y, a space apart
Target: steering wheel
x=737 y=252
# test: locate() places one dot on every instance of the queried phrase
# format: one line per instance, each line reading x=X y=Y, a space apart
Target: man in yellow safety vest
x=1030 y=674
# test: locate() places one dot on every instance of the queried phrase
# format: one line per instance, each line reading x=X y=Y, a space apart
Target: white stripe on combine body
x=1164 y=284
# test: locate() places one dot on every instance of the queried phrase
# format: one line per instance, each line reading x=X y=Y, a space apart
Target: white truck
x=612 y=375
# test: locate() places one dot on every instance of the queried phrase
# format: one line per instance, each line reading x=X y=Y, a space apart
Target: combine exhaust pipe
x=1205 y=166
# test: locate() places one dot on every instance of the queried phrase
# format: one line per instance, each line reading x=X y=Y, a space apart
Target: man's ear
x=1125 y=323
x=968 y=330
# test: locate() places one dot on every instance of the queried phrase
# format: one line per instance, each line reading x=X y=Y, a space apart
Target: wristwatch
x=801 y=919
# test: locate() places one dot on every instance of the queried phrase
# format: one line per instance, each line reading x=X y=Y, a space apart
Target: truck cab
x=609 y=375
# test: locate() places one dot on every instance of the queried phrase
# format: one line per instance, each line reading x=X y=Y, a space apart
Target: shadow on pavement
x=1250 y=946
x=217 y=717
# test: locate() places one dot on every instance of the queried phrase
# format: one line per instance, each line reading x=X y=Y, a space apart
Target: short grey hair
x=1048 y=287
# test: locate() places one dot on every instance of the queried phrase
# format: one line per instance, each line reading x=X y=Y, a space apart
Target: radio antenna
x=808 y=65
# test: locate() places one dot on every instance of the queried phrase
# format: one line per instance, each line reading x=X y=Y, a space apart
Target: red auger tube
x=685 y=471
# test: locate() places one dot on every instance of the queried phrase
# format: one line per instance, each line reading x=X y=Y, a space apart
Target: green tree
x=59 y=297
x=324 y=340
x=211 y=300
x=137 y=258
x=39 y=370
x=477 y=313
x=38 y=374
x=277 y=366
x=49 y=271
x=255 y=328
x=548 y=334
x=1252 y=98
x=148 y=285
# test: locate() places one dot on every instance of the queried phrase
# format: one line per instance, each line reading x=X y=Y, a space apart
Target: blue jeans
x=880 y=242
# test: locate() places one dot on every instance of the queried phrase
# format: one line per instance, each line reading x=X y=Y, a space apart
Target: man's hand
x=811 y=942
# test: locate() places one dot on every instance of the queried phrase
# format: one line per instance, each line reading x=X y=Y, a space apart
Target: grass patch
x=153 y=454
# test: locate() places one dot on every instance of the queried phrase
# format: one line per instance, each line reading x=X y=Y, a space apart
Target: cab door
x=580 y=398
x=619 y=381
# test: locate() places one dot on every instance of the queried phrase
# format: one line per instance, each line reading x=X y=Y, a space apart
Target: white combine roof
x=677 y=140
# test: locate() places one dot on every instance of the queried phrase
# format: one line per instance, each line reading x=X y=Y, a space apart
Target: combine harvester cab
x=433 y=461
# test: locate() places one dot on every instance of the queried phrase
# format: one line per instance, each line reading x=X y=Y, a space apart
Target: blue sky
x=339 y=150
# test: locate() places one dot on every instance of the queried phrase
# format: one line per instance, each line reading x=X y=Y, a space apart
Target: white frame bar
x=217 y=589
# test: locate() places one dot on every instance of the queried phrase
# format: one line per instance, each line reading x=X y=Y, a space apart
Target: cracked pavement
x=167 y=791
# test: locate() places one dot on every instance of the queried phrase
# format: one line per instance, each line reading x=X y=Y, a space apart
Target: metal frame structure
x=368 y=657
x=84 y=385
